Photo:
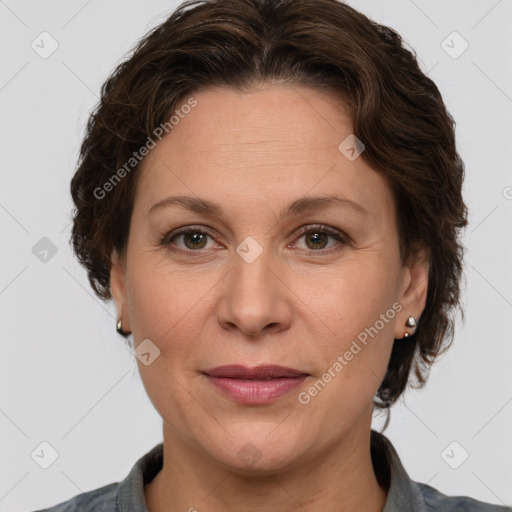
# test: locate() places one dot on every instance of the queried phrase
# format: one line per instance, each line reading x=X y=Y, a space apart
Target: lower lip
x=256 y=391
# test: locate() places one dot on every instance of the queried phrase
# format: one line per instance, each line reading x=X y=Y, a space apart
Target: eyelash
x=315 y=228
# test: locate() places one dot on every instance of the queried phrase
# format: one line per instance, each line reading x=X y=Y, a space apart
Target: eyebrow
x=301 y=205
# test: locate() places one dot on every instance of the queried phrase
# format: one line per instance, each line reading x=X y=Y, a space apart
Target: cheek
x=350 y=296
x=354 y=358
x=167 y=304
x=358 y=310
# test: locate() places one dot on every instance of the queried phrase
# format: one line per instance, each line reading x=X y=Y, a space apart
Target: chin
x=260 y=449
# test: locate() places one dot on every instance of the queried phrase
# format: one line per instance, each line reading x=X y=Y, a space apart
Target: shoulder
x=102 y=499
x=405 y=494
x=125 y=495
x=437 y=501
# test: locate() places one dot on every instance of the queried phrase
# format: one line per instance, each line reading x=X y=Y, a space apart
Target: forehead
x=267 y=144
x=268 y=118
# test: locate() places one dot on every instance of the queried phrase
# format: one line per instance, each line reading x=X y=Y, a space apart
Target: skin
x=299 y=304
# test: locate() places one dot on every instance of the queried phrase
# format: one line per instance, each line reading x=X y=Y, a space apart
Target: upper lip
x=263 y=371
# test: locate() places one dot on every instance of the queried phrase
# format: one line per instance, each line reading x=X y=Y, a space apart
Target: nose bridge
x=254 y=298
x=252 y=281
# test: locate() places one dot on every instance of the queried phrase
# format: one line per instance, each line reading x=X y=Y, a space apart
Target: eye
x=194 y=240
x=317 y=238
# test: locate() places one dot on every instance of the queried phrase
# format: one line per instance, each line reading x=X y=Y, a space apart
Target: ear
x=413 y=290
x=118 y=288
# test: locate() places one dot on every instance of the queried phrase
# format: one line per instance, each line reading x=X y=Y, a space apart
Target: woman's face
x=260 y=283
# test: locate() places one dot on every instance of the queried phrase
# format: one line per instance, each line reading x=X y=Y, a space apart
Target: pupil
x=316 y=237
x=196 y=238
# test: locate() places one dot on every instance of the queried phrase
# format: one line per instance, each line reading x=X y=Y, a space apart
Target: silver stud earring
x=119 y=328
x=411 y=322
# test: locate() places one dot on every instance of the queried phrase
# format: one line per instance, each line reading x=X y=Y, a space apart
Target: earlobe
x=414 y=293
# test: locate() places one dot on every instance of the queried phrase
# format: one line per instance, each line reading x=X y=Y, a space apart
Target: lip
x=258 y=385
x=260 y=372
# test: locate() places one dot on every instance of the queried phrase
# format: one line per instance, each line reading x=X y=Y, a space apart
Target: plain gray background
x=67 y=378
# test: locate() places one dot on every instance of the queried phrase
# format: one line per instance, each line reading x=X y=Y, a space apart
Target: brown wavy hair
x=396 y=110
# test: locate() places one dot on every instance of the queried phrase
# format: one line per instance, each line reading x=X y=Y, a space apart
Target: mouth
x=258 y=385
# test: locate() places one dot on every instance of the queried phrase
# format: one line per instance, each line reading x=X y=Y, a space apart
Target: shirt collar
x=130 y=493
x=403 y=493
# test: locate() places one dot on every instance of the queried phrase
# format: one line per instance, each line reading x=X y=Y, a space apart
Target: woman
x=270 y=192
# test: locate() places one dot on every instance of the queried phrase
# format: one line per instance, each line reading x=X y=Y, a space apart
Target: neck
x=340 y=479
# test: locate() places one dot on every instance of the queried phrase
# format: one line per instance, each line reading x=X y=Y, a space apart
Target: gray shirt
x=404 y=495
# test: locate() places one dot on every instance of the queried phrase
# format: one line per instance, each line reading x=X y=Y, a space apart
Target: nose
x=256 y=299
